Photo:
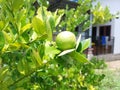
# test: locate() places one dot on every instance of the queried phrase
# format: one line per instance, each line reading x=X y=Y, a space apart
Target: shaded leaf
x=3 y=73
x=17 y=4
x=21 y=67
x=2 y=40
x=36 y=56
x=1 y=25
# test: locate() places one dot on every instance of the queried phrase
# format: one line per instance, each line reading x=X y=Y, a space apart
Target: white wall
x=117 y=36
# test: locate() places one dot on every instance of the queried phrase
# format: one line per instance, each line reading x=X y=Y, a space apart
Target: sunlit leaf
x=39 y=26
x=78 y=41
x=66 y=52
x=58 y=20
x=14 y=46
x=26 y=27
x=79 y=57
x=8 y=37
x=51 y=50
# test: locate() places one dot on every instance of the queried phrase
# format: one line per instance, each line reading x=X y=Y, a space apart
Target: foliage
x=111 y=80
x=99 y=63
x=101 y=15
x=79 y=16
x=30 y=59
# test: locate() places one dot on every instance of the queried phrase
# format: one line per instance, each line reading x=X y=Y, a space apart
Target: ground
x=113 y=64
x=112 y=76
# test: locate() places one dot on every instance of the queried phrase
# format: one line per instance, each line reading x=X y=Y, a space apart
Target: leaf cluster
x=30 y=59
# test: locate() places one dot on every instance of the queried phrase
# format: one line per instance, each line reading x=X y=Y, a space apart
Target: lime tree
x=66 y=40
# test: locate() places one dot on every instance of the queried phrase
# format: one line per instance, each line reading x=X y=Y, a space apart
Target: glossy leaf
x=83 y=45
x=78 y=41
x=66 y=52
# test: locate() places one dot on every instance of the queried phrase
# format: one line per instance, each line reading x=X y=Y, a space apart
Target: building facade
x=112 y=28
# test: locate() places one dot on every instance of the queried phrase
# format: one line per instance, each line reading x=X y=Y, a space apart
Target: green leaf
x=24 y=28
x=42 y=13
x=1 y=25
x=51 y=22
x=21 y=67
x=44 y=3
x=3 y=73
x=38 y=25
x=51 y=50
x=8 y=37
x=2 y=40
x=57 y=21
x=17 y=4
x=78 y=41
x=86 y=25
x=43 y=37
x=14 y=46
x=66 y=52
x=85 y=44
x=79 y=57
x=36 y=56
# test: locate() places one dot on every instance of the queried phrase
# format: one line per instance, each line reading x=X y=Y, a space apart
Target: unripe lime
x=66 y=40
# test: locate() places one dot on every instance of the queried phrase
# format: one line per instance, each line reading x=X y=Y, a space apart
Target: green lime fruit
x=66 y=40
